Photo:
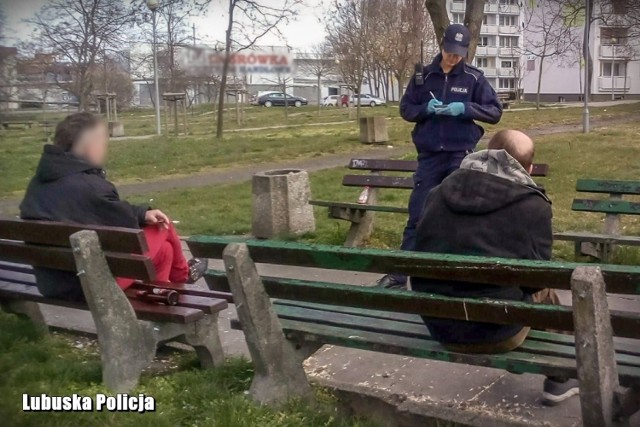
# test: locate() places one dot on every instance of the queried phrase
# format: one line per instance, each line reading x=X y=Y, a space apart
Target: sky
x=306 y=31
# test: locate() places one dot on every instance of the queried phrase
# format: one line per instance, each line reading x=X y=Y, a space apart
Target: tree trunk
x=225 y=71
x=473 y=17
x=539 y=83
x=439 y=17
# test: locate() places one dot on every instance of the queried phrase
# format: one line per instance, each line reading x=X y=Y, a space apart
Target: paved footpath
x=399 y=390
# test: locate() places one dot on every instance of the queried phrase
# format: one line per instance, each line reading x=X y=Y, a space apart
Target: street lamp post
x=587 y=81
x=614 y=42
x=153 y=6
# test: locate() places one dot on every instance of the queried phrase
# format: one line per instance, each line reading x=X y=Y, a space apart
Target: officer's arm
x=411 y=109
x=484 y=106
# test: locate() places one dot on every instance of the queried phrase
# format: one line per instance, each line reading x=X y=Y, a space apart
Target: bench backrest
x=400 y=182
x=46 y=244
x=484 y=270
x=613 y=205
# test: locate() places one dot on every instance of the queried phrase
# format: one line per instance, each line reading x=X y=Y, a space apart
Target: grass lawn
x=159 y=157
x=609 y=153
x=185 y=395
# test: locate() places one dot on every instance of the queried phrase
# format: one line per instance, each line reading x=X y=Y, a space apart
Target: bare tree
x=80 y=32
x=3 y=22
x=247 y=22
x=348 y=32
x=551 y=33
x=473 y=16
x=319 y=62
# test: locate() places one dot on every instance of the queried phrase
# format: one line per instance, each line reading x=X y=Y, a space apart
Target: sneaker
x=555 y=392
x=390 y=282
x=197 y=268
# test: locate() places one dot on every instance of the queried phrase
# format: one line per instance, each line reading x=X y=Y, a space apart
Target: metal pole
x=587 y=82
x=613 y=63
x=155 y=73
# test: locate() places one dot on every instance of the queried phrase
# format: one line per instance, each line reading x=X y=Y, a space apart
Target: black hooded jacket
x=67 y=189
x=477 y=213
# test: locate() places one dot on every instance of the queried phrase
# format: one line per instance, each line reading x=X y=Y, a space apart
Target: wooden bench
x=22 y=124
x=504 y=99
x=361 y=214
x=129 y=330
x=601 y=245
x=313 y=313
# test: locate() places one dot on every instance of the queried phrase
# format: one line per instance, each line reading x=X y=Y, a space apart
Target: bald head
x=517 y=144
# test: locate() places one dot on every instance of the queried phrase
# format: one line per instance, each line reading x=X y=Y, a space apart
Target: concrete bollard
x=116 y=129
x=281 y=203
x=373 y=130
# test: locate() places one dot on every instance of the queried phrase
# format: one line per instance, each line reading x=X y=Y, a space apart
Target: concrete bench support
x=128 y=345
x=373 y=130
x=279 y=375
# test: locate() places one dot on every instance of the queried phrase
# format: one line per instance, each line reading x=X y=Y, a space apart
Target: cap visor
x=455 y=48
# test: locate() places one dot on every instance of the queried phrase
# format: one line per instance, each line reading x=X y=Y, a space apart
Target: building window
x=506 y=83
x=508 y=41
x=506 y=64
x=483 y=41
x=458 y=18
x=510 y=20
x=482 y=62
x=619 y=69
x=531 y=64
x=508 y=2
x=613 y=35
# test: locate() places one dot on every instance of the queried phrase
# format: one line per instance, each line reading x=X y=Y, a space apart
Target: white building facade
x=499 y=51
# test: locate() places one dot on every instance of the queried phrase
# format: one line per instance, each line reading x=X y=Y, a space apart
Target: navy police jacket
x=464 y=83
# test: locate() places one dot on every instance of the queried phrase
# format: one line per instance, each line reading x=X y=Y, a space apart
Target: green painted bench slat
x=358 y=206
x=608 y=186
x=585 y=236
x=606 y=206
x=515 y=361
x=496 y=271
x=540 y=316
x=321 y=316
x=622 y=345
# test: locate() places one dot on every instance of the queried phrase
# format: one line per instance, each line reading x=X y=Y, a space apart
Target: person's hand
x=453 y=109
x=431 y=106
x=156 y=217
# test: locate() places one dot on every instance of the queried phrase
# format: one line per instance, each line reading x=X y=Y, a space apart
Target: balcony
x=457 y=6
x=491 y=7
x=605 y=83
x=489 y=72
x=489 y=29
x=486 y=51
x=510 y=51
x=508 y=29
x=615 y=51
x=508 y=9
x=506 y=72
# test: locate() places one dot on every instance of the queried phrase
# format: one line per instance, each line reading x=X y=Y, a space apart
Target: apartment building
x=500 y=46
x=615 y=52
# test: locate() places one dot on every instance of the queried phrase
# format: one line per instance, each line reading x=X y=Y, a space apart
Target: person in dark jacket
x=444 y=107
x=70 y=185
x=490 y=207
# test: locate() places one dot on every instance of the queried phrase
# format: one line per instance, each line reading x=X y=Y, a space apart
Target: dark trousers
x=432 y=169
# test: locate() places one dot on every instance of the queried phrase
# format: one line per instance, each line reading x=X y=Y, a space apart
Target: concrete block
x=373 y=130
x=281 y=203
x=116 y=129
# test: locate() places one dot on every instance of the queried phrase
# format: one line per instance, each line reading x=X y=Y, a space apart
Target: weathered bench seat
x=313 y=313
x=601 y=245
x=129 y=329
x=361 y=215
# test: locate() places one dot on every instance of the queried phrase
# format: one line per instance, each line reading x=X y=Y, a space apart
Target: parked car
x=367 y=100
x=331 y=101
x=279 y=98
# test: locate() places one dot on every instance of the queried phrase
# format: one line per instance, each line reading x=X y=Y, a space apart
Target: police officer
x=444 y=105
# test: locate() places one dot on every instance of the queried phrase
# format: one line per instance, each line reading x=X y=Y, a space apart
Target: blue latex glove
x=453 y=109
x=431 y=106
